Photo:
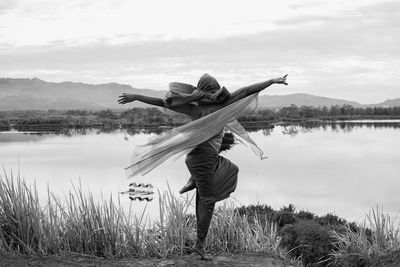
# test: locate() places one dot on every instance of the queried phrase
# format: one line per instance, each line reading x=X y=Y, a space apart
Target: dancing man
x=212 y=110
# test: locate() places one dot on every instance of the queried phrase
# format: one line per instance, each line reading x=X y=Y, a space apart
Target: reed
x=77 y=223
x=378 y=236
x=232 y=232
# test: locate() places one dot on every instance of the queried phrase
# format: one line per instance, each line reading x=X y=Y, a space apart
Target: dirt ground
x=187 y=260
x=390 y=260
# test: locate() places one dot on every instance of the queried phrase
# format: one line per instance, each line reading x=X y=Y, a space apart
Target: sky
x=342 y=49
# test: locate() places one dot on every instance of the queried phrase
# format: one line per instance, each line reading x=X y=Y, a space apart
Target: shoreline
x=153 y=117
x=43 y=125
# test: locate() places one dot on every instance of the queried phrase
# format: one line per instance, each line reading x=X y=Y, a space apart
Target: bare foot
x=199 y=249
x=190 y=185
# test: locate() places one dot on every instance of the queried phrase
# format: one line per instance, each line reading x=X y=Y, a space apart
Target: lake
x=345 y=168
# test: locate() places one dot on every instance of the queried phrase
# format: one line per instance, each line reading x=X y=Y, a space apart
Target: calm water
x=345 y=169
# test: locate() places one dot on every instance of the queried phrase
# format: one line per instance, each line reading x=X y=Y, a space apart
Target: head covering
x=181 y=88
x=208 y=83
x=180 y=94
x=177 y=94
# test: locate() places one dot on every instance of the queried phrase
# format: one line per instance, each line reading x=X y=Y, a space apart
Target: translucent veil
x=179 y=140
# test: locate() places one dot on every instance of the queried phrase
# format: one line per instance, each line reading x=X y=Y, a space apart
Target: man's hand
x=220 y=96
x=126 y=98
x=281 y=80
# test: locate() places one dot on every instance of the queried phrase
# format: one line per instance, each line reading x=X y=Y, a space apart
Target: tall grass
x=378 y=236
x=77 y=223
x=230 y=231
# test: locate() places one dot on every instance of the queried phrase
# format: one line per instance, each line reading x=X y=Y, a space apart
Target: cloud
x=335 y=49
x=7 y=5
x=304 y=19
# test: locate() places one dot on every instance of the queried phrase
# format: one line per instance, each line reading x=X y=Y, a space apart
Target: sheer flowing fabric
x=184 y=138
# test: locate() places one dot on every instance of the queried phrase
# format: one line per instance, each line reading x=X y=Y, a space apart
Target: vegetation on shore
x=103 y=228
x=332 y=241
x=153 y=117
x=79 y=224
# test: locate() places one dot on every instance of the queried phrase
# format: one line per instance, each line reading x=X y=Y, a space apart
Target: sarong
x=215 y=176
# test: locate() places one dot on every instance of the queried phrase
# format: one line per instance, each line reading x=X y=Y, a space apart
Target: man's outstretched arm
x=253 y=89
x=126 y=98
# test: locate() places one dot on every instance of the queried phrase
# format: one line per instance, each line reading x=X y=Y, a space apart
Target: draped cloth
x=179 y=94
x=182 y=93
x=181 y=140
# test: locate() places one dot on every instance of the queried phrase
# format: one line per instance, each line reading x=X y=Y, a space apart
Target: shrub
x=305 y=215
x=284 y=217
x=331 y=219
x=308 y=240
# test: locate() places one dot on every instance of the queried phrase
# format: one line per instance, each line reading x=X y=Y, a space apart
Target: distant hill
x=22 y=94
x=391 y=103
x=17 y=94
x=275 y=101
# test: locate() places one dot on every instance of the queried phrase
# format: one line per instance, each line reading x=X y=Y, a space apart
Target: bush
x=305 y=215
x=308 y=240
x=283 y=217
x=331 y=219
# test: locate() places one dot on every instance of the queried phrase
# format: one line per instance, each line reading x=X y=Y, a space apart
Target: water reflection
x=291 y=128
x=338 y=127
x=34 y=136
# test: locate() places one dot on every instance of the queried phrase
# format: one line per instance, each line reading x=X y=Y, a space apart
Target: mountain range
x=36 y=94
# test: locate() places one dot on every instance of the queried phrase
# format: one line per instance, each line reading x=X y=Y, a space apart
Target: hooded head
x=208 y=84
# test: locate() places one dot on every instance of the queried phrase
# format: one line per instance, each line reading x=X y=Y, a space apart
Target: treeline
x=61 y=119
x=153 y=117
x=4 y=126
x=345 y=112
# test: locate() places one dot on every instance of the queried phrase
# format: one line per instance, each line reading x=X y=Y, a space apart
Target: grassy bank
x=79 y=225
